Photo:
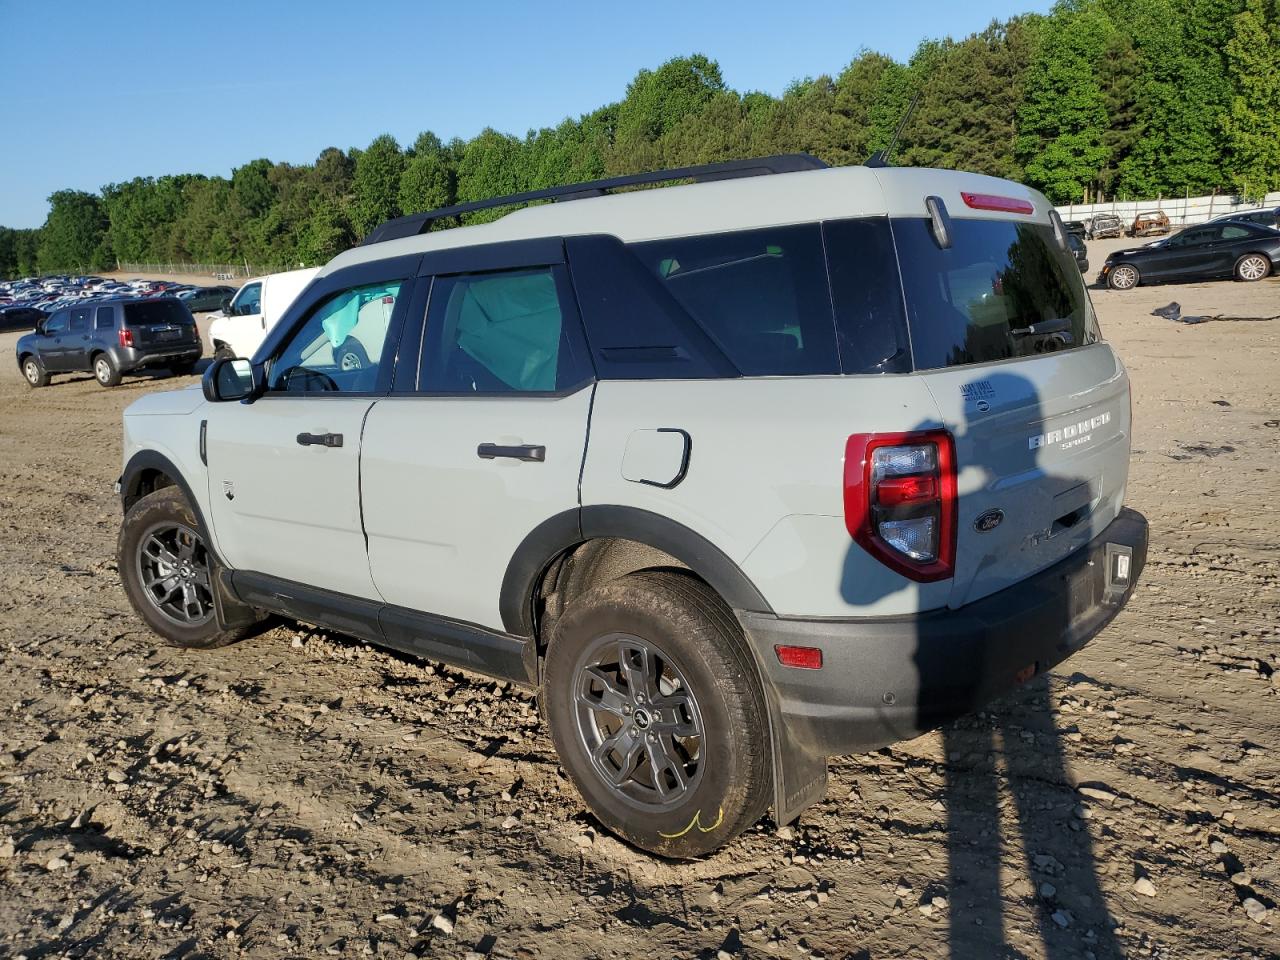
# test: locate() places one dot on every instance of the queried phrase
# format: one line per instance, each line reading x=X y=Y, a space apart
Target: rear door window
x=105 y=318
x=509 y=331
x=1232 y=232
x=761 y=295
x=80 y=321
x=1001 y=290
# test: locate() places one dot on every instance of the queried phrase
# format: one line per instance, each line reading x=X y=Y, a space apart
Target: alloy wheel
x=173 y=568
x=102 y=370
x=1124 y=277
x=638 y=721
x=1252 y=267
x=32 y=372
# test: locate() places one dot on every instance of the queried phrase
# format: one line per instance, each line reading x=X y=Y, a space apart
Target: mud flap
x=799 y=776
x=231 y=612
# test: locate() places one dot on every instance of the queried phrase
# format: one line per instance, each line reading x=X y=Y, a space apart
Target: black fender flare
x=564 y=530
x=131 y=486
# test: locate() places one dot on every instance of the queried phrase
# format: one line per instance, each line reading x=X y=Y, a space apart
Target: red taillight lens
x=990 y=201
x=126 y=337
x=900 y=500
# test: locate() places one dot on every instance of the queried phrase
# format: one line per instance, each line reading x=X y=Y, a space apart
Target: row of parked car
x=22 y=302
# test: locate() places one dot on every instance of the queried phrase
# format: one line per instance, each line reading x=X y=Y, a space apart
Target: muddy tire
x=1252 y=266
x=1123 y=276
x=34 y=373
x=167 y=572
x=657 y=713
x=105 y=370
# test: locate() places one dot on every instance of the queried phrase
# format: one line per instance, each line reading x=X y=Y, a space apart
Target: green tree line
x=1098 y=98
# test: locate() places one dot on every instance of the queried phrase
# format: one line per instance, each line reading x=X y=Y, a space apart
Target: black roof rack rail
x=416 y=223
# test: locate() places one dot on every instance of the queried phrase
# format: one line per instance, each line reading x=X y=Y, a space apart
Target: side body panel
x=442 y=521
x=284 y=509
x=764 y=479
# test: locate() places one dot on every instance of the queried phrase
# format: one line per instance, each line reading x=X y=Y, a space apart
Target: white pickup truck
x=254 y=310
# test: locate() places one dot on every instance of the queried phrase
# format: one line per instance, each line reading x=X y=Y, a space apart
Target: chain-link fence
x=214 y=271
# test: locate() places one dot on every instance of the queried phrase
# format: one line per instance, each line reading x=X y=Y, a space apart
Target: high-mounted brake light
x=900 y=500
x=126 y=337
x=991 y=201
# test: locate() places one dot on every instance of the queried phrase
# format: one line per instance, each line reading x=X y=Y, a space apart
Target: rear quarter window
x=761 y=295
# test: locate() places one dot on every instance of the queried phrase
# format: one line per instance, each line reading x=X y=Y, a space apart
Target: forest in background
x=1096 y=99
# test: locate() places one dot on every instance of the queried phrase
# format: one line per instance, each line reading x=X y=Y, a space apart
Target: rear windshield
x=155 y=311
x=1001 y=290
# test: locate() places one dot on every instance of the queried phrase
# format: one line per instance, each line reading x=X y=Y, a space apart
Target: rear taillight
x=900 y=500
x=126 y=337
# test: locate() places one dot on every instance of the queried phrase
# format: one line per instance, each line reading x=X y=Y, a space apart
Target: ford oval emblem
x=988 y=521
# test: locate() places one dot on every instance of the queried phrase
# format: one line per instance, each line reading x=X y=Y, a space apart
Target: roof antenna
x=881 y=157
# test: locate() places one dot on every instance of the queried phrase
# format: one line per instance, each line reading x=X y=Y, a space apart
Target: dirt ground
x=302 y=794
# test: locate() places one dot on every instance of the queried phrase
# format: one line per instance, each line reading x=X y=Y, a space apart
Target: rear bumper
x=132 y=358
x=888 y=680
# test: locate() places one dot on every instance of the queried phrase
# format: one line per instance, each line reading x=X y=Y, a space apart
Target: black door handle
x=529 y=452
x=320 y=439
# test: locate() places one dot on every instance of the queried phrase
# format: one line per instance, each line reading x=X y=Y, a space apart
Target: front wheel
x=167 y=571
x=34 y=373
x=1123 y=277
x=657 y=715
x=1252 y=266
x=105 y=370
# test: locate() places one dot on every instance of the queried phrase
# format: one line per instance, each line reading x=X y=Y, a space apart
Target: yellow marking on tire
x=695 y=822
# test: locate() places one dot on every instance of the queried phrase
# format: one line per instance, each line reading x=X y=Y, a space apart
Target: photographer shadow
x=1012 y=749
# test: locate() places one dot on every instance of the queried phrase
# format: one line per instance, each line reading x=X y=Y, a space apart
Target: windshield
x=1001 y=290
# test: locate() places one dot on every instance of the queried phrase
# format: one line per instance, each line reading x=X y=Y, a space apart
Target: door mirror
x=231 y=378
x=226 y=306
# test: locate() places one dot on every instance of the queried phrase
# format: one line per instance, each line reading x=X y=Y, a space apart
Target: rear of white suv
x=738 y=475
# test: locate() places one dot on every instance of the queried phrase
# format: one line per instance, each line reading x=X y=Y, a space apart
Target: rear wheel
x=1252 y=266
x=167 y=571
x=34 y=373
x=657 y=715
x=1123 y=277
x=105 y=370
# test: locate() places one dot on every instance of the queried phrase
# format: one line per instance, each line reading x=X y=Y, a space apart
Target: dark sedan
x=205 y=299
x=1210 y=251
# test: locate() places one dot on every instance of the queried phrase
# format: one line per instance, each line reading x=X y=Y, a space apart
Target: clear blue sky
x=93 y=93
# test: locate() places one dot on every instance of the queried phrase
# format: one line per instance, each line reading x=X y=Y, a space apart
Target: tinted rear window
x=155 y=311
x=761 y=295
x=1001 y=290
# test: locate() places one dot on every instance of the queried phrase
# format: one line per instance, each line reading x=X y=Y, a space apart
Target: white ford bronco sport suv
x=784 y=463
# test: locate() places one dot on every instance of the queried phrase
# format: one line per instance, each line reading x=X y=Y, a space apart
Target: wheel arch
x=148 y=471
x=557 y=538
